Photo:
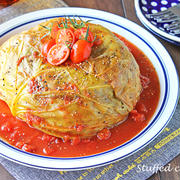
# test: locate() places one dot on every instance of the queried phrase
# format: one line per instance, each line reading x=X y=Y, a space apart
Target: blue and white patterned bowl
x=146 y=7
x=146 y=42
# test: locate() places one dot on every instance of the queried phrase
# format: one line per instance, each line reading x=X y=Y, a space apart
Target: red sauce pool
x=19 y=134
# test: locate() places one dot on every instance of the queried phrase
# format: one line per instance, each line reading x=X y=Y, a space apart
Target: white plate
x=143 y=40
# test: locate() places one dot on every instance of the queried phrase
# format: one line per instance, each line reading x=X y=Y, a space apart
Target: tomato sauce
x=21 y=135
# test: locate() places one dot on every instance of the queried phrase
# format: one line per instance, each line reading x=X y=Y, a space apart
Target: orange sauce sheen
x=19 y=134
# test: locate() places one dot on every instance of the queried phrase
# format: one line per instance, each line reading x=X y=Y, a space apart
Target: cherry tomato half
x=47 y=46
x=55 y=28
x=81 y=34
x=58 y=54
x=80 y=51
x=65 y=36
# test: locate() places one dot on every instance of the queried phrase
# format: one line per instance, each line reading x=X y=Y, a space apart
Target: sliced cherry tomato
x=65 y=36
x=81 y=34
x=81 y=51
x=47 y=46
x=58 y=54
x=56 y=27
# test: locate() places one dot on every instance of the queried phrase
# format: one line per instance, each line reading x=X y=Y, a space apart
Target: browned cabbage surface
x=75 y=100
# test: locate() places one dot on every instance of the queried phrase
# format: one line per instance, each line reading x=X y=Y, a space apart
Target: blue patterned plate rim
x=155 y=27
